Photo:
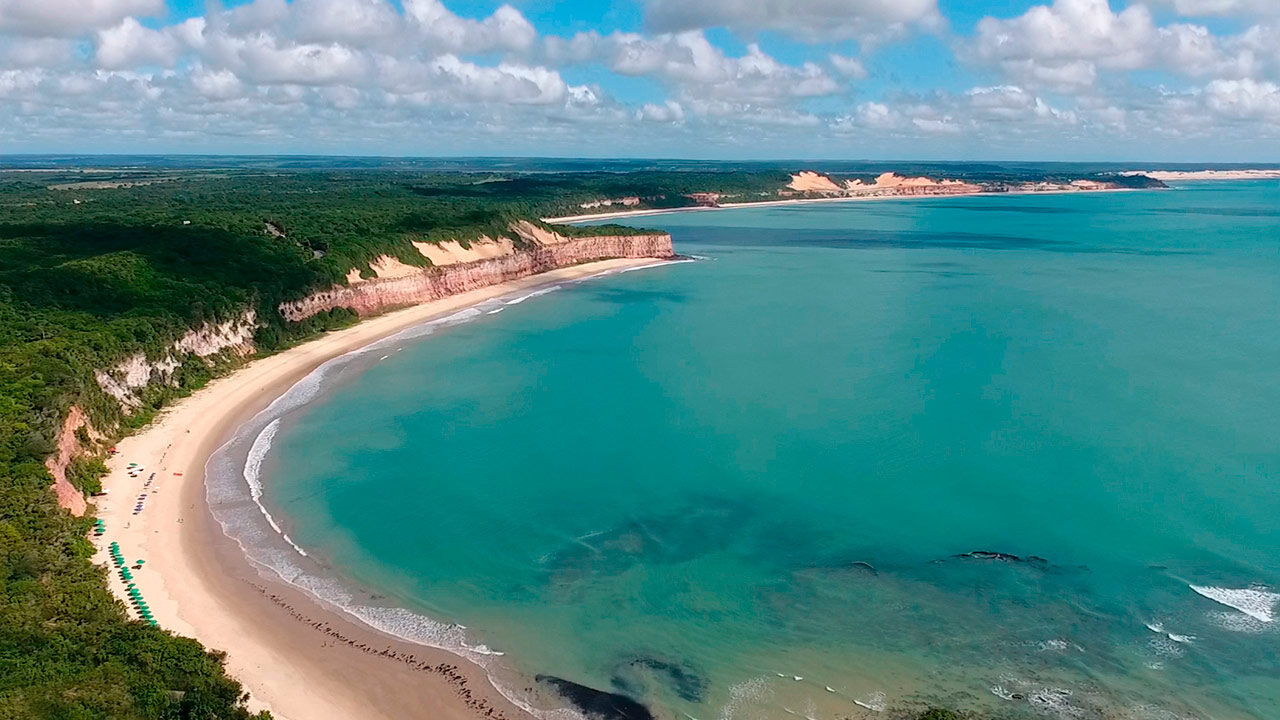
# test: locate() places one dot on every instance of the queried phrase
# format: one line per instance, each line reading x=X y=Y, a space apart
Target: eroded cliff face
x=123 y=380
x=496 y=261
x=67 y=448
x=454 y=269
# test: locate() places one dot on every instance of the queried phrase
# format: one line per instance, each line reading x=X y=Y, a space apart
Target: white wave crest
x=1238 y=622
x=875 y=702
x=253 y=476
x=1003 y=692
x=534 y=294
x=744 y=694
x=1256 y=602
x=1055 y=701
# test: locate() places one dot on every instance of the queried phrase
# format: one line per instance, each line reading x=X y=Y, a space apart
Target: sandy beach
x=297 y=658
x=618 y=214
x=1180 y=175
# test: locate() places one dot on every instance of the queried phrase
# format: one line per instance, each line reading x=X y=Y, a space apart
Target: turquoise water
x=694 y=484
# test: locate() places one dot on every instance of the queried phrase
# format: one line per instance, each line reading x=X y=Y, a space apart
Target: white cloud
x=1200 y=8
x=938 y=126
x=216 y=84
x=848 y=66
x=505 y=29
x=1011 y=103
x=507 y=83
x=35 y=52
x=805 y=19
x=698 y=70
x=66 y=18
x=668 y=112
x=1244 y=99
x=347 y=71
x=129 y=45
x=266 y=60
x=869 y=115
x=344 y=20
x=1063 y=43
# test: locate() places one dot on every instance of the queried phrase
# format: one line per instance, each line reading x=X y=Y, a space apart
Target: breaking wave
x=1257 y=602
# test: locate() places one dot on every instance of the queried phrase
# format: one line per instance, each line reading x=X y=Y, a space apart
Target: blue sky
x=1155 y=80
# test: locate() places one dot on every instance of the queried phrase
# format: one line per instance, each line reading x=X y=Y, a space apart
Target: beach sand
x=621 y=214
x=1179 y=175
x=297 y=658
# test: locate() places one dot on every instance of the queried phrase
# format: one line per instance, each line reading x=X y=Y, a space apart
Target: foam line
x=1255 y=602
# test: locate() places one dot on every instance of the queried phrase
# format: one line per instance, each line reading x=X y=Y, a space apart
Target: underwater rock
x=1002 y=557
x=687 y=683
x=597 y=703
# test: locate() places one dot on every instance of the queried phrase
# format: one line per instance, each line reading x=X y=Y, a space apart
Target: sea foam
x=253 y=477
x=1256 y=602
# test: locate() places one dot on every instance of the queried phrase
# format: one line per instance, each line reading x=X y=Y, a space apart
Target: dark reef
x=1002 y=557
x=687 y=683
x=597 y=703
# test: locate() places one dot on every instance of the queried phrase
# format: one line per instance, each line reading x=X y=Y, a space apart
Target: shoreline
x=1196 y=175
x=591 y=217
x=296 y=656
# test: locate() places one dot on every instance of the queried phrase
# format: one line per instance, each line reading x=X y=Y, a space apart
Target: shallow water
x=739 y=487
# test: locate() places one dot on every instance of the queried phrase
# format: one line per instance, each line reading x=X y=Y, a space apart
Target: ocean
x=1011 y=454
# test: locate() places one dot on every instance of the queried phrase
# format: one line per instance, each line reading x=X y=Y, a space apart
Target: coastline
x=1193 y=175
x=297 y=657
x=571 y=219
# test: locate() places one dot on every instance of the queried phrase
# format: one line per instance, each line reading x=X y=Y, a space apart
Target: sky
x=1120 y=80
